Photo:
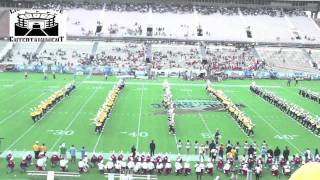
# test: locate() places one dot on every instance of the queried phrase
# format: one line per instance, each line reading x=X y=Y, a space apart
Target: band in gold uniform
x=105 y=110
x=243 y=121
x=47 y=104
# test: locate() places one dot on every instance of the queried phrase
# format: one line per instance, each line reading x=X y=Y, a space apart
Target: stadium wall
x=101 y=70
x=189 y=41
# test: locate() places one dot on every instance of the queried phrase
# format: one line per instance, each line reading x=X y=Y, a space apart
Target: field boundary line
x=74 y=118
x=175 y=84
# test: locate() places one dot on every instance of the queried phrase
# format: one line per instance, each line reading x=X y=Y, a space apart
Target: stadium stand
x=176 y=56
x=286 y=59
x=214 y=23
x=4 y=21
x=315 y=55
x=120 y=55
x=69 y=53
x=22 y=54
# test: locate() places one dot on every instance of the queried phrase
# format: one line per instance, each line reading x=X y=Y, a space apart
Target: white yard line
x=206 y=125
x=139 y=121
x=75 y=118
x=20 y=109
x=98 y=140
x=203 y=121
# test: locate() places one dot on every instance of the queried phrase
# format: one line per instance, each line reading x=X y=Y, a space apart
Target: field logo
x=193 y=105
x=198 y=104
x=37 y=26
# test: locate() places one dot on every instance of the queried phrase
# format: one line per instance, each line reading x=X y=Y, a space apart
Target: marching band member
x=29 y=159
x=101 y=167
x=187 y=168
x=117 y=167
x=209 y=167
x=54 y=159
x=275 y=170
x=168 y=167
x=198 y=170
x=9 y=156
x=64 y=164
x=123 y=166
x=81 y=166
x=159 y=167
x=41 y=163
x=23 y=164
x=94 y=160
x=137 y=167
x=130 y=166
x=109 y=165
x=287 y=170
x=244 y=168
x=220 y=163
x=10 y=165
x=150 y=167
x=226 y=168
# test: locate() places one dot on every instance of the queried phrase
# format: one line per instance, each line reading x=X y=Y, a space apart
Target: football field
x=138 y=116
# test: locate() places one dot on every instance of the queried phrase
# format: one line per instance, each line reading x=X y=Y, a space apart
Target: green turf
x=134 y=114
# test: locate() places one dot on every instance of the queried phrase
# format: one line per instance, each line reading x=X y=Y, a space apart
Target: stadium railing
x=112 y=176
x=51 y=174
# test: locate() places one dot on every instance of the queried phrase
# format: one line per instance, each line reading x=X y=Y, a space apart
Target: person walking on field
x=43 y=149
x=152 y=148
x=63 y=151
x=36 y=150
x=133 y=151
x=73 y=152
